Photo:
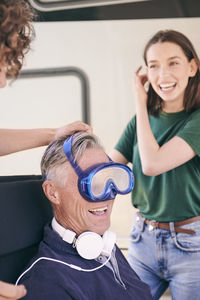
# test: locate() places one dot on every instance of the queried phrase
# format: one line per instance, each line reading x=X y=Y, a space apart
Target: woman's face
x=168 y=71
x=2 y=77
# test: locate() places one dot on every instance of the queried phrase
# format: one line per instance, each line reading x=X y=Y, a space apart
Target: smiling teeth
x=167 y=85
x=98 y=209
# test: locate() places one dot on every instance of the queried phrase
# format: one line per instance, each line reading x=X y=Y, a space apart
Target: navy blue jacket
x=49 y=280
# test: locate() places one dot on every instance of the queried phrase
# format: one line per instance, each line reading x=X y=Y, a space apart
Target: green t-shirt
x=173 y=195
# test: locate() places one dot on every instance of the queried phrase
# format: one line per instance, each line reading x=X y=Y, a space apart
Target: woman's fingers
x=71 y=128
x=10 y=291
x=138 y=70
x=138 y=87
x=142 y=78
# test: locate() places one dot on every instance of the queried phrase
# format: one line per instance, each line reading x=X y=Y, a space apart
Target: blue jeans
x=163 y=258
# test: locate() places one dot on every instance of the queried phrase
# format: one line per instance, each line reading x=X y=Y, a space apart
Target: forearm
x=14 y=140
x=157 y=159
x=147 y=144
x=117 y=157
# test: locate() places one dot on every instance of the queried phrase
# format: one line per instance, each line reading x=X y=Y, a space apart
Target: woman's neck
x=172 y=107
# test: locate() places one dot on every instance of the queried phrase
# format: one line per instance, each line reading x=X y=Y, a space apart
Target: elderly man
x=78 y=258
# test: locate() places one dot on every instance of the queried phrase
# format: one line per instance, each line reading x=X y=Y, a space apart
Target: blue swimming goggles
x=103 y=181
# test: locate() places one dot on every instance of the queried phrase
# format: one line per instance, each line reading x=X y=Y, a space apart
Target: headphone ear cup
x=89 y=245
x=109 y=240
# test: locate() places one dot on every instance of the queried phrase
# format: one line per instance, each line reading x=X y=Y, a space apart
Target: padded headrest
x=24 y=210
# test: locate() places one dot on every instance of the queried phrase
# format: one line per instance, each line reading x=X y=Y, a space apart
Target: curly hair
x=16 y=33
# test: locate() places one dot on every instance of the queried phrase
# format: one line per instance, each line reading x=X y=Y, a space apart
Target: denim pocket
x=188 y=242
x=136 y=231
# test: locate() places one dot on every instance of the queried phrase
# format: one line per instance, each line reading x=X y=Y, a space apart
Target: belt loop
x=142 y=224
x=172 y=229
x=141 y=220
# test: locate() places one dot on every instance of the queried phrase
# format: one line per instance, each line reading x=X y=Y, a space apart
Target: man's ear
x=51 y=191
x=193 y=67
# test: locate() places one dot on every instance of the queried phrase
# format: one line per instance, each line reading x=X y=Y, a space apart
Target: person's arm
x=14 y=140
x=155 y=159
x=11 y=292
x=123 y=151
x=117 y=157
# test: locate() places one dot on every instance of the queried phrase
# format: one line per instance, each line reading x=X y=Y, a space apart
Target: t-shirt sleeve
x=191 y=131
x=126 y=141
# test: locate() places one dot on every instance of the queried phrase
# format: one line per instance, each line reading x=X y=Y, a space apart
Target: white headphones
x=89 y=245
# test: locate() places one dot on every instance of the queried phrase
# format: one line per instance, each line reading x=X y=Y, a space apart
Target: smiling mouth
x=98 y=211
x=165 y=87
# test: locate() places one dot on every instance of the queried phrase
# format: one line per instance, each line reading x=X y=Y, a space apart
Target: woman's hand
x=138 y=87
x=71 y=128
x=11 y=292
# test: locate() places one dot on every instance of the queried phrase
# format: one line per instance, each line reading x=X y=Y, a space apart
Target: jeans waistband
x=166 y=225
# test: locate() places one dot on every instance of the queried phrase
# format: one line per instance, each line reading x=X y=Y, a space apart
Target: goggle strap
x=109 y=157
x=67 y=148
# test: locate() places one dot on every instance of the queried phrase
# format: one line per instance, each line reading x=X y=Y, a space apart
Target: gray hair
x=54 y=159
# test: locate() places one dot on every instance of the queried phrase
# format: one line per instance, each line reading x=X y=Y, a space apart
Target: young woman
x=15 y=36
x=163 y=143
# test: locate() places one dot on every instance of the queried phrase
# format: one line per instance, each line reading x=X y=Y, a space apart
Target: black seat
x=24 y=210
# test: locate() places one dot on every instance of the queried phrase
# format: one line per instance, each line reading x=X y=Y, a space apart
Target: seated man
x=78 y=257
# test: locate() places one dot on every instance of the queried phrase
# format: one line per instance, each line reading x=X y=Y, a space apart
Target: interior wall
x=109 y=52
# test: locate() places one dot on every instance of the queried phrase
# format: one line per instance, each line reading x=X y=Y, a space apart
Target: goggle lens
x=114 y=174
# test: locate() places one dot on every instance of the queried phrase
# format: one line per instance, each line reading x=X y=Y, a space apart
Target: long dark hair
x=16 y=33
x=192 y=93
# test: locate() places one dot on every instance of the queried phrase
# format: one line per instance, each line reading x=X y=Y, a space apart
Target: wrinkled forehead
x=92 y=157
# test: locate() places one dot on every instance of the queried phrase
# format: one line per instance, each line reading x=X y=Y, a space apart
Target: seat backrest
x=24 y=210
